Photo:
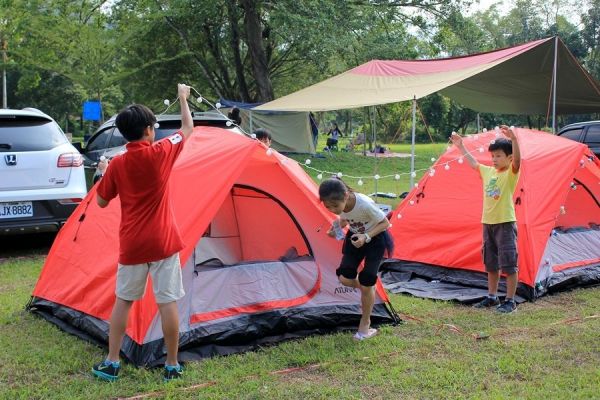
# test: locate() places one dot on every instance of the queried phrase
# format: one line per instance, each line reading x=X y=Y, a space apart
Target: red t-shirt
x=140 y=177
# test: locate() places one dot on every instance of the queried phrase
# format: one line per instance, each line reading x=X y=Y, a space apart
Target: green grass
x=528 y=355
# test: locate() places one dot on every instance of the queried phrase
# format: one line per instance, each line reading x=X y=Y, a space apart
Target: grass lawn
x=549 y=349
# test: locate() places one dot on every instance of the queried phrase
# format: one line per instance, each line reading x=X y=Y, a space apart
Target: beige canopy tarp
x=515 y=80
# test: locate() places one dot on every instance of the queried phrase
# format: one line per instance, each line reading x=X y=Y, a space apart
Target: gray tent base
x=440 y=283
x=237 y=335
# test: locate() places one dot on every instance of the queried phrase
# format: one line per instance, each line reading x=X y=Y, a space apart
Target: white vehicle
x=41 y=174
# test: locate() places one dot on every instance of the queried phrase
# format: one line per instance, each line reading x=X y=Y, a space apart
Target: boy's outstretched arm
x=516 y=151
x=187 y=123
x=457 y=140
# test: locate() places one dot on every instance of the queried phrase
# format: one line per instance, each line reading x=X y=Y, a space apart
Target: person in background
x=335 y=133
x=314 y=128
x=235 y=116
x=264 y=136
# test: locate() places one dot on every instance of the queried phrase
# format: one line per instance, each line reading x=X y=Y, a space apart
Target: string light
x=269 y=152
x=399 y=216
x=218 y=105
x=360 y=182
x=460 y=160
x=376 y=177
x=307 y=162
x=484 y=130
x=166 y=102
x=320 y=176
x=446 y=167
x=397 y=177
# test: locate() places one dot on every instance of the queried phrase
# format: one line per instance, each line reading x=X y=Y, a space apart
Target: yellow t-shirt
x=498 y=189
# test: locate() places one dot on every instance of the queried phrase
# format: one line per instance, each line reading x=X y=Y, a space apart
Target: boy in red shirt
x=148 y=236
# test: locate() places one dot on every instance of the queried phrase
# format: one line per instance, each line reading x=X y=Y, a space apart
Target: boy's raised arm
x=187 y=123
x=516 y=152
x=457 y=140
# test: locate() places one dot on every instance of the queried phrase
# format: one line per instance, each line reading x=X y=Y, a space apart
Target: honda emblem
x=10 y=159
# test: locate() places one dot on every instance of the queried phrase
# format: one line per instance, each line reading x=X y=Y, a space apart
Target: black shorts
x=371 y=252
x=500 y=247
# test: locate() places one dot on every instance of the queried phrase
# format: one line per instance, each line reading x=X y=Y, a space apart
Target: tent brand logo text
x=344 y=289
x=10 y=159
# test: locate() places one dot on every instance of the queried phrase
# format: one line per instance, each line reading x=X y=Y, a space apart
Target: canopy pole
x=554 y=84
x=412 y=146
x=251 y=125
x=374 y=133
x=478 y=124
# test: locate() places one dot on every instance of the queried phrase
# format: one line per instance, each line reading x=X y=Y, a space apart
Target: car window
x=29 y=134
x=573 y=134
x=98 y=142
x=592 y=137
x=117 y=139
x=162 y=133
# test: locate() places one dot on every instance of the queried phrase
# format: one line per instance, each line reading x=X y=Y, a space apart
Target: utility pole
x=4 y=44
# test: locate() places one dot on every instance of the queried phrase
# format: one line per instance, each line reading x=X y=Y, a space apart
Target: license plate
x=16 y=210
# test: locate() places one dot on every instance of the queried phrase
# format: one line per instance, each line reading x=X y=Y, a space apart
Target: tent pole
x=251 y=127
x=412 y=146
x=554 y=84
x=478 y=124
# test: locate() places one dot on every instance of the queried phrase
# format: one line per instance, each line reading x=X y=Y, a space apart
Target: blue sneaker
x=507 y=307
x=107 y=370
x=172 y=372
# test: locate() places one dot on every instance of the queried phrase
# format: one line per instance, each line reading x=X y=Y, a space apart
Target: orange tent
x=437 y=228
x=257 y=264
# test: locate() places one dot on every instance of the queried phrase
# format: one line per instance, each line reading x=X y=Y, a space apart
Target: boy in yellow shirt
x=498 y=219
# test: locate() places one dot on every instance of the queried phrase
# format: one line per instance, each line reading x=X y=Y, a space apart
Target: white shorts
x=166 y=280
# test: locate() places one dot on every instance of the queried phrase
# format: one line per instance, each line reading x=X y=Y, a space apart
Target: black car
x=584 y=132
x=108 y=141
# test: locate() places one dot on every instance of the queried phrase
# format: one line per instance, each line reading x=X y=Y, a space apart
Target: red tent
x=437 y=228
x=257 y=265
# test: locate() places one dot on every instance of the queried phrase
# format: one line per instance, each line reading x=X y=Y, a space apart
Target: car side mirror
x=78 y=146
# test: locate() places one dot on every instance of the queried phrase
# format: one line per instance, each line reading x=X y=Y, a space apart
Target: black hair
x=262 y=133
x=234 y=115
x=503 y=144
x=333 y=189
x=133 y=120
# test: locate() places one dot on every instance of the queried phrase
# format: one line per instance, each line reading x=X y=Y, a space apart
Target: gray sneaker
x=487 y=302
x=507 y=307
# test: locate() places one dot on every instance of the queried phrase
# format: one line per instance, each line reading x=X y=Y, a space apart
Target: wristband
x=367 y=238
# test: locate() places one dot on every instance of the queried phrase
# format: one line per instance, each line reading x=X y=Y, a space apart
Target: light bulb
x=481 y=150
x=446 y=167
x=416 y=185
x=454 y=133
x=399 y=216
x=253 y=136
x=413 y=174
x=218 y=105
x=496 y=128
x=307 y=162
x=484 y=129
x=102 y=158
x=269 y=152
x=376 y=177
x=397 y=177
x=512 y=128
x=460 y=160
x=320 y=176
x=156 y=125
x=339 y=174
x=432 y=159
x=360 y=182
x=228 y=123
x=199 y=99
x=492 y=141
x=166 y=102
x=412 y=202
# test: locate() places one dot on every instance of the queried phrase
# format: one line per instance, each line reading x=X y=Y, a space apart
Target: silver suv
x=41 y=173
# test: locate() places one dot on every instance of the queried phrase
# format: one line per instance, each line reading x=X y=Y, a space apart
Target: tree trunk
x=235 y=47
x=258 y=57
